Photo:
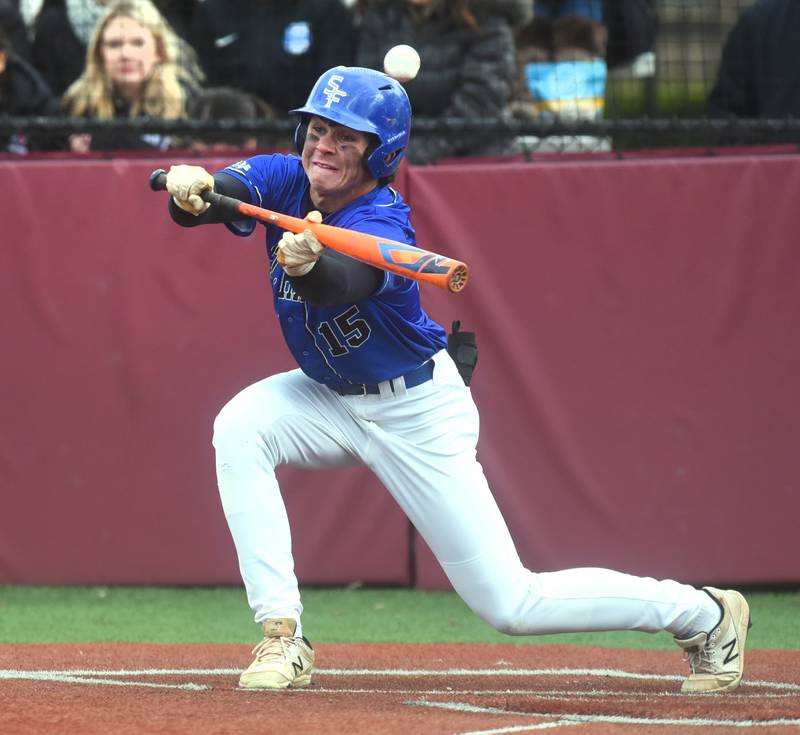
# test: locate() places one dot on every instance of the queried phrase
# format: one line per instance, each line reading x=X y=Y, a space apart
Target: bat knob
x=158 y=180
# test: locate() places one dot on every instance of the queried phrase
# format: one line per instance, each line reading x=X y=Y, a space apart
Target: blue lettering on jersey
x=376 y=339
x=285 y=290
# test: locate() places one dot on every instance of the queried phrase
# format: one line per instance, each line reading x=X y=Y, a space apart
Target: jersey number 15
x=343 y=330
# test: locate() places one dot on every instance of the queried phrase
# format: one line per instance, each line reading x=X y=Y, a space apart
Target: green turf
x=220 y=615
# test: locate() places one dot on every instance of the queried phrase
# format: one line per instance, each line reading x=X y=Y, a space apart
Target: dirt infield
x=375 y=689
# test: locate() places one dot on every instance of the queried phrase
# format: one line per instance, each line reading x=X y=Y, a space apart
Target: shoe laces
x=701 y=658
x=271 y=649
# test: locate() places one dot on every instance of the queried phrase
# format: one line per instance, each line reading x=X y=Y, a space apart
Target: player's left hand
x=298 y=254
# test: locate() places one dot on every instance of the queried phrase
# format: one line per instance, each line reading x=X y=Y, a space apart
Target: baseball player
x=376 y=386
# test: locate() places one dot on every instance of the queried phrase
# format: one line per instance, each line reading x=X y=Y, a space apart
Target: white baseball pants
x=421 y=444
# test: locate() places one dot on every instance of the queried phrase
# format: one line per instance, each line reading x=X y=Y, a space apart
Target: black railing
x=623 y=134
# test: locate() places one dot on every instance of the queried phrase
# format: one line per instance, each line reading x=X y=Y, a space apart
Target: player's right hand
x=186 y=183
x=299 y=253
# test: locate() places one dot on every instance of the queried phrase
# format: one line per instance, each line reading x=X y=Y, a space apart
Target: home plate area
x=414 y=688
x=553 y=685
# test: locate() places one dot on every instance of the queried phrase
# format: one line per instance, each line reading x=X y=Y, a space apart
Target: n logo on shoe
x=297 y=666
x=730 y=646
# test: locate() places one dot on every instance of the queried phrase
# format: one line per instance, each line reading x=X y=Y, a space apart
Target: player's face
x=332 y=157
x=129 y=53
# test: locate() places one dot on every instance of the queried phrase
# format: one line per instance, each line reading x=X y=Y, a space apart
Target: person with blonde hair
x=136 y=66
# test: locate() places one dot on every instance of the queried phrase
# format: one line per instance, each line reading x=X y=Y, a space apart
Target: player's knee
x=242 y=433
x=227 y=424
x=507 y=611
x=499 y=590
x=235 y=425
x=505 y=622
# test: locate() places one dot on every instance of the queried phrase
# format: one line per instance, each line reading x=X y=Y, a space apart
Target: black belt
x=417 y=376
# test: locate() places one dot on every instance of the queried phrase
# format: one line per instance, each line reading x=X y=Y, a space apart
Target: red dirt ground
x=375 y=689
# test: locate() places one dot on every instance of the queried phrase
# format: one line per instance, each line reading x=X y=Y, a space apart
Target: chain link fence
x=675 y=79
x=656 y=101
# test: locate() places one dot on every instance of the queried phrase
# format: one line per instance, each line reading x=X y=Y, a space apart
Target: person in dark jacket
x=23 y=93
x=273 y=49
x=468 y=67
x=632 y=27
x=61 y=32
x=759 y=75
x=13 y=24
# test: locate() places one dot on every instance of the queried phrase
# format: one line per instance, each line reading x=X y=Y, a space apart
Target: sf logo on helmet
x=333 y=92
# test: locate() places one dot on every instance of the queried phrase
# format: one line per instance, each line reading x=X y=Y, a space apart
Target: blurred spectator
x=226 y=103
x=574 y=29
x=28 y=9
x=632 y=27
x=561 y=61
x=136 y=66
x=564 y=54
x=467 y=71
x=23 y=93
x=271 y=48
x=759 y=75
x=628 y=28
x=16 y=31
x=61 y=30
x=179 y=14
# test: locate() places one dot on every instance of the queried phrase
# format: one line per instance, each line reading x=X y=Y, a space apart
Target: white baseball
x=401 y=63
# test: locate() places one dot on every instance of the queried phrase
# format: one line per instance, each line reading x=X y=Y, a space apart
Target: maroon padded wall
x=639 y=358
x=122 y=336
x=637 y=377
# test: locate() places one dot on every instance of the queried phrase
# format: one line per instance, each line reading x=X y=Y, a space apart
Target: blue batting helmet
x=365 y=100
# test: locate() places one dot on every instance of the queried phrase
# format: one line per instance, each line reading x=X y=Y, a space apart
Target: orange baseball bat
x=389 y=255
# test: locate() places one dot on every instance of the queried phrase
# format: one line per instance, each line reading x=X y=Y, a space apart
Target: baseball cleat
x=716 y=659
x=281 y=660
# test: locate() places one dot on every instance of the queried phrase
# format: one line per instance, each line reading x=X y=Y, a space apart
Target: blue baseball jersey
x=369 y=341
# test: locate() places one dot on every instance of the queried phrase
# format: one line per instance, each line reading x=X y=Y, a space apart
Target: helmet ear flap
x=372 y=146
x=300 y=134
